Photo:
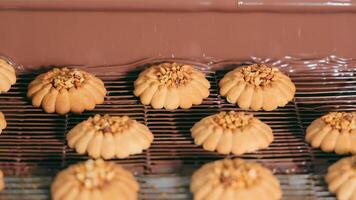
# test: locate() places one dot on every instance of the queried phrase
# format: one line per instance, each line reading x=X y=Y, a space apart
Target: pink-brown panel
x=82 y=37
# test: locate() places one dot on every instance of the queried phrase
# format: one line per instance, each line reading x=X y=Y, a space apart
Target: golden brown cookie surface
x=235 y=179
x=3 y=123
x=171 y=85
x=335 y=131
x=64 y=90
x=97 y=180
x=341 y=178
x=7 y=76
x=2 y=183
x=257 y=87
x=109 y=137
x=232 y=132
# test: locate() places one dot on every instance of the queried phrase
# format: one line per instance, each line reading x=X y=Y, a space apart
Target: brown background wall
x=82 y=37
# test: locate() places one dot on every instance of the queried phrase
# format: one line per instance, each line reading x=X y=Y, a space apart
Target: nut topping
x=232 y=119
x=108 y=124
x=65 y=78
x=341 y=120
x=259 y=74
x=174 y=74
x=236 y=174
x=94 y=173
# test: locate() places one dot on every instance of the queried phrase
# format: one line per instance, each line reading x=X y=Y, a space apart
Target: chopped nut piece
x=174 y=74
x=94 y=178
x=108 y=124
x=65 y=78
x=232 y=119
x=236 y=176
x=94 y=174
x=341 y=120
x=258 y=74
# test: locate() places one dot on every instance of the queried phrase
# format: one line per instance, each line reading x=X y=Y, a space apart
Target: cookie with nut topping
x=232 y=132
x=64 y=90
x=171 y=85
x=109 y=137
x=235 y=179
x=257 y=87
x=94 y=179
x=3 y=123
x=333 y=132
x=341 y=178
x=7 y=76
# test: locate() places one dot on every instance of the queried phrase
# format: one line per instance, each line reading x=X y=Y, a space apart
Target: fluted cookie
x=64 y=90
x=94 y=180
x=235 y=179
x=3 y=123
x=341 y=178
x=7 y=76
x=171 y=85
x=109 y=137
x=232 y=132
x=335 y=131
x=2 y=183
x=257 y=87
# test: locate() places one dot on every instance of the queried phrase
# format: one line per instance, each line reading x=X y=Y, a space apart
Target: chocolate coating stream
x=125 y=34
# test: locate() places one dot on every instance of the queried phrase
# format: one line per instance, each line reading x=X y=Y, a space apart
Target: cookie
x=171 y=85
x=7 y=76
x=64 y=90
x=235 y=179
x=333 y=132
x=2 y=183
x=341 y=178
x=109 y=137
x=257 y=87
x=97 y=180
x=3 y=123
x=232 y=132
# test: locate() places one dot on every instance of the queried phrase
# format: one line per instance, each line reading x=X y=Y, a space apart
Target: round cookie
x=3 y=123
x=97 y=180
x=341 y=178
x=257 y=87
x=7 y=76
x=2 y=183
x=232 y=132
x=109 y=137
x=171 y=85
x=333 y=132
x=64 y=90
x=235 y=179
